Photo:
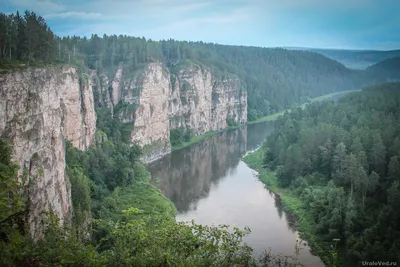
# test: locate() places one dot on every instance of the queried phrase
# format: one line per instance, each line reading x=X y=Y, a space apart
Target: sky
x=340 y=24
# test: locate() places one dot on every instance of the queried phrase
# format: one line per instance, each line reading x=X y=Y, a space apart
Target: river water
x=209 y=183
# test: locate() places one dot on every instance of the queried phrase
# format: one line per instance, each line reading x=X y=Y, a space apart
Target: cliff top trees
x=26 y=38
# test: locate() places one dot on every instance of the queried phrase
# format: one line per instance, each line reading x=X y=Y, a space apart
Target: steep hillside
x=355 y=59
x=388 y=69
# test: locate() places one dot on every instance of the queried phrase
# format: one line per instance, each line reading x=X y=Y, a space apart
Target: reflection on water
x=289 y=218
x=186 y=175
x=210 y=184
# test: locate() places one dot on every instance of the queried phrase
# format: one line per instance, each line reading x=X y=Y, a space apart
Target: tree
x=338 y=163
x=367 y=183
x=394 y=169
x=377 y=154
x=353 y=172
x=12 y=200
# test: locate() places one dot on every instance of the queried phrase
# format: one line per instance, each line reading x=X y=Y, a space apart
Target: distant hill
x=388 y=68
x=354 y=59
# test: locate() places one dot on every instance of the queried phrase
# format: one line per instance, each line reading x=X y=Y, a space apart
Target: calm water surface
x=209 y=183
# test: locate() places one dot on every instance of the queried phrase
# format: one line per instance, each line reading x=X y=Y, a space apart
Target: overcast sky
x=347 y=24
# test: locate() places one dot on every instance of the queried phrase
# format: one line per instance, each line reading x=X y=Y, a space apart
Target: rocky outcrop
x=157 y=100
x=229 y=103
x=39 y=110
x=116 y=93
x=190 y=102
x=201 y=102
x=151 y=126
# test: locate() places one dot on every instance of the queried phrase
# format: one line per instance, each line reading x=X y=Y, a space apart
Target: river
x=209 y=183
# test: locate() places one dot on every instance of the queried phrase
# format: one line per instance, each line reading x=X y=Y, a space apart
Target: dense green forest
x=343 y=162
x=274 y=78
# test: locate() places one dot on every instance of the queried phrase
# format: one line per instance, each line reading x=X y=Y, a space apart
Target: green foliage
x=80 y=195
x=335 y=158
x=12 y=195
x=156 y=241
x=179 y=136
x=112 y=126
x=230 y=121
x=183 y=143
x=26 y=38
x=140 y=194
x=60 y=246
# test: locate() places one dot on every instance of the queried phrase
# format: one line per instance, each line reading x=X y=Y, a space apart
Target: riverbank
x=318 y=98
x=270 y=117
x=194 y=140
x=291 y=203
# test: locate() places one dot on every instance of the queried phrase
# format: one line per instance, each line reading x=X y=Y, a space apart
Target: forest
x=342 y=160
x=275 y=78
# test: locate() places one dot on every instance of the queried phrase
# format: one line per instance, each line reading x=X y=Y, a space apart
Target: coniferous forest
x=343 y=162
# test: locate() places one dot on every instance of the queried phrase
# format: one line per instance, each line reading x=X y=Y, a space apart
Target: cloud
x=244 y=22
x=74 y=14
x=43 y=6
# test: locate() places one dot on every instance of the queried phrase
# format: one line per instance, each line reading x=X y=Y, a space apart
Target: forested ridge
x=342 y=160
x=275 y=78
x=389 y=68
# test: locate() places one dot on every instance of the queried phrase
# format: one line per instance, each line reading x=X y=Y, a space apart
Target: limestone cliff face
x=39 y=110
x=157 y=100
x=201 y=102
x=229 y=102
x=151 y=126
x=190 y=100
x=116 y=84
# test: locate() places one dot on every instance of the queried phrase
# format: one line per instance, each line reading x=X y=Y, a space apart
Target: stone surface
x=151 y=126
x=39 y=109
x=116 y=92
x=190 y=98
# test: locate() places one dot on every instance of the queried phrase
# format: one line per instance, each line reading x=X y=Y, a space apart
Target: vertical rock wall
x=157 y=100
x=39 y=110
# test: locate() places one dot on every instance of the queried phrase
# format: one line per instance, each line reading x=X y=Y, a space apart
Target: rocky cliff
x=157 y=100
x=39 y=110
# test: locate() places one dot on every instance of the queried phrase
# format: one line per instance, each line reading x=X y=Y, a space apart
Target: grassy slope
x=194 y=140
x=141 y=194
x=291 y=203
